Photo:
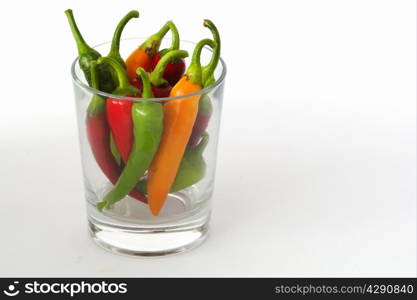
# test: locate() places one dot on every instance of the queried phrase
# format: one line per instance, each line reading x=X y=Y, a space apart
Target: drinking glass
x=128 y=226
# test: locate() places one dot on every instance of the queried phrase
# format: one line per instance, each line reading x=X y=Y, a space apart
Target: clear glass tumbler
x=128 y=226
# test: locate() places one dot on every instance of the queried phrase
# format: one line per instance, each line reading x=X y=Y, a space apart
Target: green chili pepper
x=87 y=55
x=114 y=150
x=147 y=119
x=193 y=166
x=191 y=170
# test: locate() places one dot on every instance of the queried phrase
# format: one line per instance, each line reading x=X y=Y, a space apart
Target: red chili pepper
x=161 y=87
x=119 y=111
x=160 y=92
x=173 y=71
x=98 y=134
x=201 y=123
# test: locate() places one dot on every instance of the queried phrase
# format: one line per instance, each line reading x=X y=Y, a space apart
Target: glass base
x=147 y=241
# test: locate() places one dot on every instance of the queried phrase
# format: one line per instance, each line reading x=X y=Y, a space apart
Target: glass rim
x=83 y=85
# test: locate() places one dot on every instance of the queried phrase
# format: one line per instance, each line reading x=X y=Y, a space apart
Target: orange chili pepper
x=179 y=118
x=142 y=57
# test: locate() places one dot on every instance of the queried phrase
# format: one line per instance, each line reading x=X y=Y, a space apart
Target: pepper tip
x=207 y=22
x=155 y=210
x=101 y=205
x=135 y=13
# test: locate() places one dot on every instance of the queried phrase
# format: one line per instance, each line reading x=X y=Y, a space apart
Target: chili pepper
x=175 y=69
x=201 y=123
x=191 y=170
x=205 y=108
x=115 y=54
x=98 y=131
x=119 y=111
x=87 y=55
x=142 y=56
x=147 y=119
x=179 y=117
x=193 y=166
x=98 y=134
x=160 y=86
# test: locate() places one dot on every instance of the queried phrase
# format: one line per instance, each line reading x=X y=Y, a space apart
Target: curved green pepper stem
x=147 y=91
x=115 y=44
x=175 y=39
x=151 y=45
x=208 y=71
x=96 y=105
x=123 y=87
x=194 y=72
x=156 y=75
x=82 y=46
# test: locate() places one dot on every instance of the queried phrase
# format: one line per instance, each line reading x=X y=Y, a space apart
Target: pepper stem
x=194 y=73
x=147 y=91
x=94 y=75
x=82 y=46
x=151 y=45
x=175 y=37
x=115 y=44
x=208 y=70
x=96 y=105
x=156 y=78
x=124 y=86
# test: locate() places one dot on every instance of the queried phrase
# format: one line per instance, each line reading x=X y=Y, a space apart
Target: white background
x=317 y=161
